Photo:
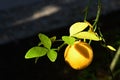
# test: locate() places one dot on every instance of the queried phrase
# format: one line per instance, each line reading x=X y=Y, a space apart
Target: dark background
x=16 y=39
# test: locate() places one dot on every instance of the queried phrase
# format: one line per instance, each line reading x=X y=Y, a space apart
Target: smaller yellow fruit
x=79 y=55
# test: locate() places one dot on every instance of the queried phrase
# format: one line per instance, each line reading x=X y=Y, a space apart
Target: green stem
x=61 y=46
x=115 y=59
x=36 y=59
x=97 y=18
x=94 y=30
x=101 y=35
x=98 y=13
x=86 y=10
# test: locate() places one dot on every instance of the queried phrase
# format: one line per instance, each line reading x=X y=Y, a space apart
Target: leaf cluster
x=78 y=31
x=43 y=48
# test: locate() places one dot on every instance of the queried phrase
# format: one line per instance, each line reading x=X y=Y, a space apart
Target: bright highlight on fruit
x=79 y=55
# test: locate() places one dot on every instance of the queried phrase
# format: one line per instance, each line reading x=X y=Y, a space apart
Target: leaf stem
x=61 y=46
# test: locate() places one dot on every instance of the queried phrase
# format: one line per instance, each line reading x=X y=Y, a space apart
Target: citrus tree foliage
x=77 y=32
x=80 y=31
x=81 y=34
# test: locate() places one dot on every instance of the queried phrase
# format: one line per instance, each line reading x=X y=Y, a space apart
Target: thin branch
x=61 y=46
x=86 y=10
x=97 y=17
x=98 y=13
x=115 y=59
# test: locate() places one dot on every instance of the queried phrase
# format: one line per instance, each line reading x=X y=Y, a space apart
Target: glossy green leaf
x=111 y=48
x=78 y=27
x=35 y=52
x=87 y=35
x=45 y=40
x=52 y=55
x=69 y=40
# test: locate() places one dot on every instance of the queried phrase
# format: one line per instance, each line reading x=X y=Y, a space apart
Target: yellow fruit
x=79 y=55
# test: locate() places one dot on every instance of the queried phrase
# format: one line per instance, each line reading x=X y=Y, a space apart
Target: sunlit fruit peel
x=79 y=55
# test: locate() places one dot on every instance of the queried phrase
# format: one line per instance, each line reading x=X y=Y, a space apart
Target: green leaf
x=87 y=35
x=53 y=38
x=78 y=27
x=69 y=40
x=111 y=48
x=52 y=55
x=45 y=40
x=35 y=52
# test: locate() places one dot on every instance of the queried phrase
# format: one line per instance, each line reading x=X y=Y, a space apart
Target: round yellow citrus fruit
x=79 y=55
